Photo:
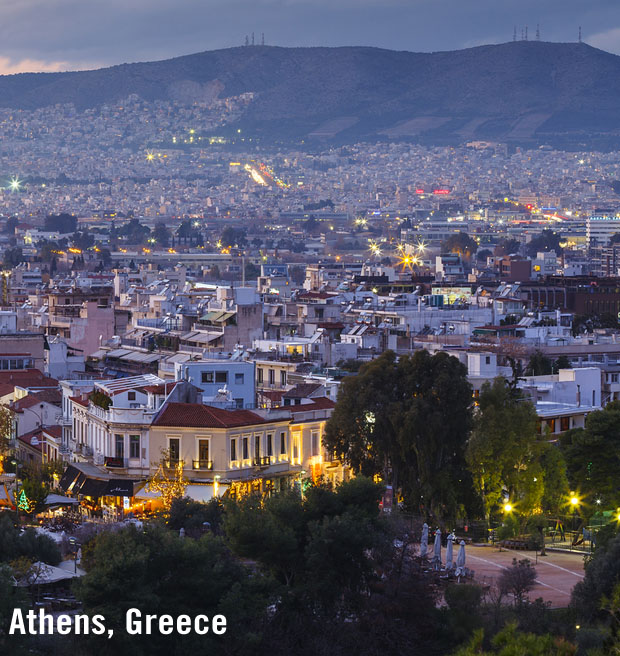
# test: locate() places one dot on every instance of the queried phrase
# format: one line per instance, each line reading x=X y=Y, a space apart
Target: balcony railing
x=203 y=464
x=262 y=461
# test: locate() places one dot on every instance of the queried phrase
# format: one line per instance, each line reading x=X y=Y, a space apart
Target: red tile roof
x=26 y=378
x=196 y=415
x=320 y=403
x=51 y=396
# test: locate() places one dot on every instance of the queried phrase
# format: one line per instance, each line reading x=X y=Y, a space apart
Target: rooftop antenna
x=526 y=32
x=252 y=38
x=537 y=32
x=580 y=34
x=522 y=35
x=262 y=39
x=514 y=34
x=247 y=40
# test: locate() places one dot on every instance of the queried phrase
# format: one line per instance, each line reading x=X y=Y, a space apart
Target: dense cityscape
x=301 y=395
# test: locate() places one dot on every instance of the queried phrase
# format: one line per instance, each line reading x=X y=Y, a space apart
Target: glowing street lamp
x=507 y=508
x=15 y=184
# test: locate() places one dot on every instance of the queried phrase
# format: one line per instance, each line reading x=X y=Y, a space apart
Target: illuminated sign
x=419 y=191
x=441 y=192
x=453 y=295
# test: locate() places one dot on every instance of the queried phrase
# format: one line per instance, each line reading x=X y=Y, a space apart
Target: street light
x=507 y=508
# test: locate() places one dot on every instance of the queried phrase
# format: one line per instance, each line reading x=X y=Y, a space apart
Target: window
x=206 y=377
x=295 y=447
x=259 y=375
x=203 y=452
x=257 y=447
x=131 y=396
x=246 y=448
x=614 y=378
x=134 y=446
x=487 y=359
x=119 y=450
x=269 y=444
x=239 y=379
x=314 y=443
x=283 y=378
x=564 y=423
x=221 y=376
x=282 y=443
x=174 y=447
x=239 y=403
x=272 y=376
x=233 y=448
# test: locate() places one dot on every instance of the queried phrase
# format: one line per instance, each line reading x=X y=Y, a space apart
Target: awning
x=68 y=477
x=199 y=492
x=5 y=497
x=94 y=488
x=58 y=500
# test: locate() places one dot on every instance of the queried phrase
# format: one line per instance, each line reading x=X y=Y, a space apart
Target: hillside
x=519 y=91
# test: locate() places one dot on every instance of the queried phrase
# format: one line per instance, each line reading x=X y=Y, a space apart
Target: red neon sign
x=441 y=191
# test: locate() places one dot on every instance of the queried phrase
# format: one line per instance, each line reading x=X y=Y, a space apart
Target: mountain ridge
x=513 y=91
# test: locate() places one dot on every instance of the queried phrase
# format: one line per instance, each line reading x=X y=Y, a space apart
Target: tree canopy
x=62 y=223
x=407 y=419
x=593 y=456
x=461 y=243
x=505 y=455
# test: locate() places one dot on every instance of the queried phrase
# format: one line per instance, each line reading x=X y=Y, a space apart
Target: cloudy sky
x=37 y=35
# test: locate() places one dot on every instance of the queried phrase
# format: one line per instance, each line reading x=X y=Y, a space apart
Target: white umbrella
x=449 y=563
x=424 y=541
x=460 y=560
x=437 y=550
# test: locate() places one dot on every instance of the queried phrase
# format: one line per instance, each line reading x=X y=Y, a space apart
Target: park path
x=557 y=572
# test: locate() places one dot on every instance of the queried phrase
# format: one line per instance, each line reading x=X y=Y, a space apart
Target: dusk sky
x=71 y=34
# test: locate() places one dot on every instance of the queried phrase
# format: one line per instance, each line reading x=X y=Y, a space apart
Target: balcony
x=263 y=461
x=204 y=465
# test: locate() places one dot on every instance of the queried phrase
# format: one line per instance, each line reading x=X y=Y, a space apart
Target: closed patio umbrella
x=424 y=541
x=460 y=560
x=437 y=550
x=449 y=551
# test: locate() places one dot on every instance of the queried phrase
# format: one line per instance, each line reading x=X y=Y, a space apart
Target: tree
x=507 y=246
x=134 y=232
x=63 y=223
x=593 y=456
x=10 y=225
x=602 y=573
x=12 y=257
x=83 y=240
x=233 y=237
x=547 y=241
x=510 y=642
x=518 y=579
x=407 y=420
x=161 y=234
x=191 y=515
x=168 y=479
x=482 y=255
x=504 y=452
x=251 y=271
x=321 y=543
x=6 y=432
x=461 y=243
x=561 y=363
x=159 y=573
x=28 y=544
x=539 y=365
